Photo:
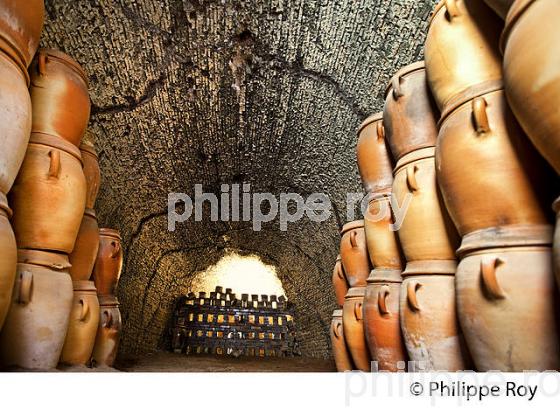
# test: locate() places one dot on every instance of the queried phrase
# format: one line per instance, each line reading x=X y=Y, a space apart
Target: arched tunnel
x=266 y=93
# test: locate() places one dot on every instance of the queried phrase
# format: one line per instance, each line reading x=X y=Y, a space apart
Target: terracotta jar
x=109 y=261
x=339 y=282
x=381 y=320
x=410 y=114
x=340 y=352
x=489 y=174
x=59 y=94
x=501 y=7
x=374 y=161
x=531 y=75
x=15 y=117
x=382 y=244
x=82 y=329
x=48 y=197
x=506 y=305
x=21 y=24
x=85 y=251
x=8 y=258
x=353 y=324
x=426 y=232
x=461 y=48
x=556 y=243
x=353 y=251
x=108 y=332
x=429 y=323
x=36 y=325
x=91 y=172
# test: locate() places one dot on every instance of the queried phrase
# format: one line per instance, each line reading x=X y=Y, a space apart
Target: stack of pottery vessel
x=494 y=186
x=340 y=351
x=427 y=298
x=381 y=300
x=106 y=273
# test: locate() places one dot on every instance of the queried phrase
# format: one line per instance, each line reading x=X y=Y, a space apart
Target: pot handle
x=397 y=90
x=26 y=284
x=480 y=116
x=358 y=311
x=411 y=178
x=116 y=250
x=336 y=330
x=85 y=309
x=353 y=241
x=411 y=290
x=54 y=167
x=452 y=9
x=109 y=320
x=488 y=271
x=339 y=271
x=42 y=63
x=380 y=130
x=382 y=300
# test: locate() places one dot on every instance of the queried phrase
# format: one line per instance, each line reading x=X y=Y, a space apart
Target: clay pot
x=91 y=172
x=489 y=174
x=501 y=7
x=429 y=323
x=59 y=94
x=556 y=243
x=353 y=252
x=108 y=332
x=381 y=320
x=36 y=325
x=340 y=352
x=8 y=259
x=410 y=114
x=382 y=244
x=506 y=305
x=426 y=233
x=15 y=117
x=531 y=75
x=82 y=329
x=21 y=24
x=353 y=324
x=461 y=48
x=109 y=261
x=85 y=251
x=339 y=282
x=374 y=161
x=48 y=197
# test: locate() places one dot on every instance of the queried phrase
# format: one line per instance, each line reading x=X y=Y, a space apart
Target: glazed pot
x=506 y=305
x=21 y=24
x=108 y=332
x=48 y=197
x=36 y=325
x=354 y=254
x=353 y=324
x=85 y=251
x=91 y=172
x=59 y=94
x=340 y=352
x=489 y=174
x=15 y=117
x=427 y=232
x=531 y=75
x=461 y=48
x=381 y=320
x=109 y=261
x=501 y=7
x=339 y=282
x=429 y=323
x=382 y=244
x=410 y=115
x=374 y=161
x=82 y=329
x=8 y=258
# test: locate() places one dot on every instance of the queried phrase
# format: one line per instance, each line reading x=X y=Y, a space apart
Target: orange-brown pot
x=8 y=259
x=382 y=244
x=353 y=324
x=82 y=329
x=48 y=197
x=340 y=352
x=506 y=304
x=91 y=172
x=461 y=48
x=339 y=282
x=354 y=254
x=85 y=251
x=488 y=172
x=108 y=332
x=59 y=94
x=501 y=7
x=427 y=232
x=36 y=325
x=410 y=114
x=374 y=161
x=109 y=261
x=531 y=74
x=556 y=243
x=381 y=320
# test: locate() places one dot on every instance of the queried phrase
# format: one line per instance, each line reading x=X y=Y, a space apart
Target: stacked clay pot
x=339 y=281
x=108 y=332
x=8 y=258
x=342 y=357
x=426 y=234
